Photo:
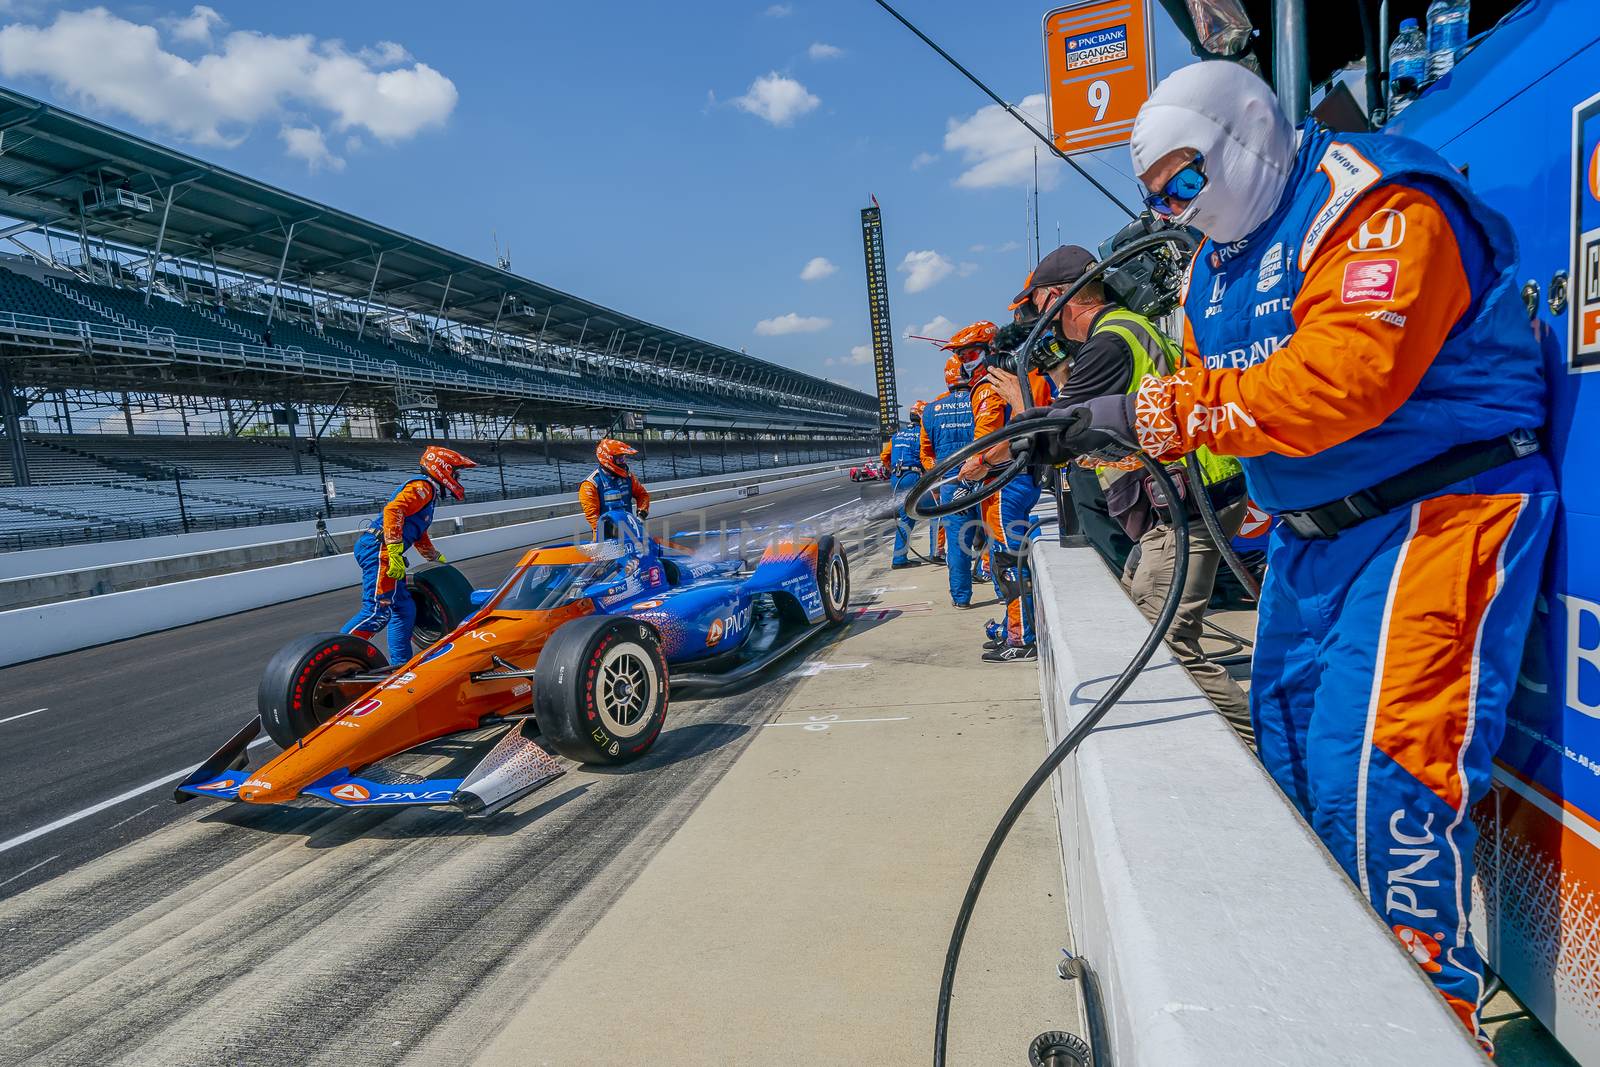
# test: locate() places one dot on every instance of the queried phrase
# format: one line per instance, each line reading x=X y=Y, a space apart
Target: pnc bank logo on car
x=728 y=627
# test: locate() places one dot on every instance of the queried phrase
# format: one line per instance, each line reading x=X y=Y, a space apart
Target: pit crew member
x=1118 y=350
x=902 y=458
x=1385 y=403
x=381 y=550
x=947 y=428
x=612 y=487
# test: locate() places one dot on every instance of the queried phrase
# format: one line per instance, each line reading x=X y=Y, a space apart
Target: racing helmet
x=972 y=344
x=917 y=409
x=442 y=465
x=612 y=455
x=952 y=371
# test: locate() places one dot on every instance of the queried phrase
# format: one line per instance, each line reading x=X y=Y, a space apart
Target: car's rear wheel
x=443 y=597
x=600 y=692
x=299 y=690
x=833 y=578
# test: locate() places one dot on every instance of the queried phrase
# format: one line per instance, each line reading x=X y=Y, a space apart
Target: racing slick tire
x=443 y=597
x=600 y=691
x=833 y=578
x=296 y=694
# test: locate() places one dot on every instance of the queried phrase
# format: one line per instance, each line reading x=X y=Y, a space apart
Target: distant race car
x=869 y=472
x=573 y=649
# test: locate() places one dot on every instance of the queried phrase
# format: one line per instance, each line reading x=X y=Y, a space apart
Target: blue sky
x=682 y=162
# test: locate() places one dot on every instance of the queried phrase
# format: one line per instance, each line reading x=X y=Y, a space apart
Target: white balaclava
x=1229 y=115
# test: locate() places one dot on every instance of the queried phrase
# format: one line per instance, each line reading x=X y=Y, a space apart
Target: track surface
x=143 y=932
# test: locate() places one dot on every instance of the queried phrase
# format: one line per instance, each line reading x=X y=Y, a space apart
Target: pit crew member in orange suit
x=381 y=550
x=612 y=486
x=1385 y=408
x=1006 y=512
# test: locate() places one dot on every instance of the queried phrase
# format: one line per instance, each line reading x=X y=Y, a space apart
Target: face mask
x=1230 y=116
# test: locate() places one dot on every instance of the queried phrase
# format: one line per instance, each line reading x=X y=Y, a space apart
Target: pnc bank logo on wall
x=1582 y=678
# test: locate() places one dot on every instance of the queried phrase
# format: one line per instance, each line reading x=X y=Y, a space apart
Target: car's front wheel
x=600 y=691
x=300 y=688
x=833 y=578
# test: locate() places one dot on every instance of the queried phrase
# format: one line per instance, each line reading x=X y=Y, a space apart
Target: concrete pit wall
x=1219 y=929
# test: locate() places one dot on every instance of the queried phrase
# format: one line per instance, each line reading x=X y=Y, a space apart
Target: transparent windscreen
x=540 y=587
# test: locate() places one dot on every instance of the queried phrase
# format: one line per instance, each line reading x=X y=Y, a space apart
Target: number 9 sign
x=1099 y=69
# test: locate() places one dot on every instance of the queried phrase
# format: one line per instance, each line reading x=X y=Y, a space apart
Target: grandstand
x=142 y=285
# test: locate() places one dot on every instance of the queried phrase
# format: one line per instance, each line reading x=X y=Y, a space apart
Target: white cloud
x=923 y=159
x=218 y=97
x=820 y=51
x=997 y=149
x=791 y=323
x=940 y=327
x=966 y=270
x=978 y=248
x=924 y=270
x=196 y=26
x=779 y=11
x=860 y=355
x=307 y=143
x=1009 y=246
x=777 y=98
x=817 y=269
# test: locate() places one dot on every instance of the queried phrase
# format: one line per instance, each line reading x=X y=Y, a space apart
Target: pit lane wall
x=1218 y=928
x=49 y=629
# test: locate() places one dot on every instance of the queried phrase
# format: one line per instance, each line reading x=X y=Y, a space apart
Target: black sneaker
x=904 y=565
x=1008 y=652
x=938 y=560
x=963 y=607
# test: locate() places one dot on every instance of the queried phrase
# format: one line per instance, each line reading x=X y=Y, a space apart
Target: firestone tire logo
x=350 y=791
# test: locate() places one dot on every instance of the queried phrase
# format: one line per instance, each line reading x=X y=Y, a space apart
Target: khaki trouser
x=1148 y=580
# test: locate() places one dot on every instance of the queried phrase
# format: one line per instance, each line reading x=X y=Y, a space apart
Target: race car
x=869 y=472
x=574 y=649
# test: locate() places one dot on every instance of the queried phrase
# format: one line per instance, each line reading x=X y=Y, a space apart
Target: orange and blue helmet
x=442 y=465
x=972 y=344
x=612 y=455
x=917 y=409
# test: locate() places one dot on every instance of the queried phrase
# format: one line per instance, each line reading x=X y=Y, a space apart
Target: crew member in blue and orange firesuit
x=902 y=458
x=381 y=550
x=1356 y=335
x=1007 y=512
x=612 y=486
x=947 y=428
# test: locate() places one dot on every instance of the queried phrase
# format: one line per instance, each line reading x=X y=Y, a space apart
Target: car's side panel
x=790 y=568
x=704 y=619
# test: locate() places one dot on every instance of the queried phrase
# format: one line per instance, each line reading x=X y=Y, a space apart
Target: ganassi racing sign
x=1584 y=351
x=1099 y=69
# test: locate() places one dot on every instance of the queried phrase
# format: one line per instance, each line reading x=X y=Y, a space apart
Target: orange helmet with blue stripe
x=442 y=465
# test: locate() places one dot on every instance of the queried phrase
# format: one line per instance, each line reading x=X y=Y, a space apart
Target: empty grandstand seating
x=107 y=486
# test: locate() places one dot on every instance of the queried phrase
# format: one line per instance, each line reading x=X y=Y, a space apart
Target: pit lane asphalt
x=148 y=932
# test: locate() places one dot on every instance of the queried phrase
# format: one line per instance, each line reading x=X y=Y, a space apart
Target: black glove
x=1102 y=429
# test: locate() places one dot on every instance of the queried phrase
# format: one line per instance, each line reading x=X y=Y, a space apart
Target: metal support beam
x=372 y=287
x=13 y=427
x=1290 y=72
x=277 y=285
x=331 y=413
x=439 y=315
x=155 y=253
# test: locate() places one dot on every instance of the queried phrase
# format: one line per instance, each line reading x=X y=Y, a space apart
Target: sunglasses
x=1183 y=186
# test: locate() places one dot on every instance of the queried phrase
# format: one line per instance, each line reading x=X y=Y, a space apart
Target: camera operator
x=1119 y=348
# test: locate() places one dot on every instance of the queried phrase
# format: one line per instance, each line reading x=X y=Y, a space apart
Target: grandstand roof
x=50 y=157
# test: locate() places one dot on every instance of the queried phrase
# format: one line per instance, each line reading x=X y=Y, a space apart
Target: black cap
x=1062 y=267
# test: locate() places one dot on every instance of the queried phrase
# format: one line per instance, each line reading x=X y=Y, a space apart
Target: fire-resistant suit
x=1368 y=330
x=902 y=458
x=385 y=601
x=946 y=428
x=1007 y=512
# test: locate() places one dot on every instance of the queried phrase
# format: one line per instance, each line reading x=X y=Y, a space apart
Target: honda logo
x=1385 y=229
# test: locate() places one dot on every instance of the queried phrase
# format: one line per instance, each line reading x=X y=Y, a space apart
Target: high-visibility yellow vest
x=1146 y=343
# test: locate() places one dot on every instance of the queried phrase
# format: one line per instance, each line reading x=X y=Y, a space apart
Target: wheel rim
x=838 y=579
x=328 y=699
x=625 y=691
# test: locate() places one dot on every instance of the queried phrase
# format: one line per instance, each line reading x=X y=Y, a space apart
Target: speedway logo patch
x=1368 y=280
x=1099 y=46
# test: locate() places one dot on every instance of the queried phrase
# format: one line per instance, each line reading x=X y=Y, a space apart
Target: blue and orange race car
x=572 y=651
